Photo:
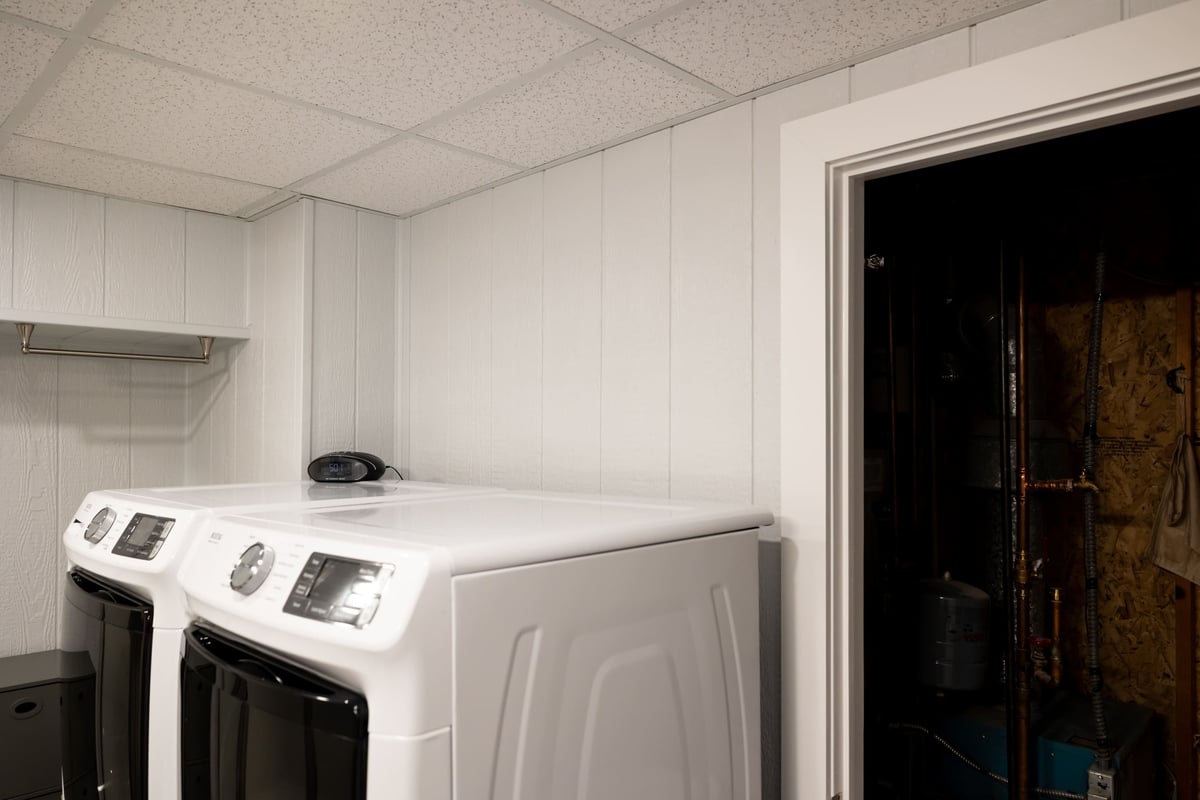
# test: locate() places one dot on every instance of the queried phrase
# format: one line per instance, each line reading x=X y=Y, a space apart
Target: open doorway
x=938 y=380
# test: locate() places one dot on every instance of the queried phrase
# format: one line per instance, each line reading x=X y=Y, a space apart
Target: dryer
x=125 y=609
x=516 y=645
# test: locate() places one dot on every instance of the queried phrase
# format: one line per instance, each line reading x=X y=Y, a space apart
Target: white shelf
x=80 y=332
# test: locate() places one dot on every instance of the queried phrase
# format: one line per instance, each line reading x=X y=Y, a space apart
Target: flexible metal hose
x=975 y=765
x=1092 y=613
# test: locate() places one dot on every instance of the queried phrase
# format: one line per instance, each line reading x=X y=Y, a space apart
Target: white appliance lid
x=484 y=532
x=251 y=495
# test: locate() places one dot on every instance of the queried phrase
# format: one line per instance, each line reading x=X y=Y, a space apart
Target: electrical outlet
x=1101 y=783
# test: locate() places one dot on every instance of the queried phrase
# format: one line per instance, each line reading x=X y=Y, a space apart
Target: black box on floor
x=47 y=725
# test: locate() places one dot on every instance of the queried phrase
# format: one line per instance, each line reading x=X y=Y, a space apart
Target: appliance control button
x=343 y=614
x=252 y=568
x=296 y=605
x=316 y=609
x=368 y=612
x=302 y=588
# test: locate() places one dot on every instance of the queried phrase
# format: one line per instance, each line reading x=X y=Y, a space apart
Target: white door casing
x=1143 y=66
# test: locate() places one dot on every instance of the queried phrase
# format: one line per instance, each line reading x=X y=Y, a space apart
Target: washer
x=516 y=645
x=125 y=608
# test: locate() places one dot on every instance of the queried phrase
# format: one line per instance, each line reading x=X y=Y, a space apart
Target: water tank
x=954 y=635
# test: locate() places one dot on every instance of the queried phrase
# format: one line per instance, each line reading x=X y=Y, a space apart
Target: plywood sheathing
x=1137 y=425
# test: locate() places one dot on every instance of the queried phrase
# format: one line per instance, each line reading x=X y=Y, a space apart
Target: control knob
x=100 y=525
x=252 y=568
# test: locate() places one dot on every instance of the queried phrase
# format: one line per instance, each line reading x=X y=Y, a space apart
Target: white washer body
x=152 y=576
x=525 y=645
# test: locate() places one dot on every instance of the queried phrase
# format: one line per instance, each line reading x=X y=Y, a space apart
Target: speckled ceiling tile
x=405 y=176
x=602 y=95
x=399 y=63
x=97 y=172
x=121 y=104
x=741 y=45
x=23 y=54
x=59 y=13
x=611 y=14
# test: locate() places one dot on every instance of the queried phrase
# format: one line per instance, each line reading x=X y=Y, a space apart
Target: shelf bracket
x=25 y=330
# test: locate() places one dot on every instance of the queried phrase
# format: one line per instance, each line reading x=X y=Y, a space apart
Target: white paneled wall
x=635 y=347
x=591 y=328
x=143 y=261
x=516 y=334
x=711 y=335
x=468 y=343
x=572 y=328
x=58 y=250
x=71 y=425
x=354 y=331
x=6 y=242
x=249 y=412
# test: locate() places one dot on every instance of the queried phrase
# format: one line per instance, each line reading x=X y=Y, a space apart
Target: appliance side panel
x=630 y=674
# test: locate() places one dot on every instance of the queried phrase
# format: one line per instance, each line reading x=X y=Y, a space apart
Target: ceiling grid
x=236 y=107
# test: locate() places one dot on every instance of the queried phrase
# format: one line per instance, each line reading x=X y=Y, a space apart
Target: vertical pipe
x=1006 y=517
x=1185 y=606
x=1020 y=740
x=892 y=396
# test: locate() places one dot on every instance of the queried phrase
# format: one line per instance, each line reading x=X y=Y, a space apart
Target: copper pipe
x=1065 y=485
x=1021 y=668
x=1056 y=667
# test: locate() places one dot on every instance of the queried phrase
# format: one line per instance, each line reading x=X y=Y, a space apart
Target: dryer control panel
x=338 y=590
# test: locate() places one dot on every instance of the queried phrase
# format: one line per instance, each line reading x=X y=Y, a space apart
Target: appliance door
x=115 y=627
x=256 y=727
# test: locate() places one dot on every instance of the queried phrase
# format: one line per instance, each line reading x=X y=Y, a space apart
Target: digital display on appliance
x=142 y=531
x=335 y=580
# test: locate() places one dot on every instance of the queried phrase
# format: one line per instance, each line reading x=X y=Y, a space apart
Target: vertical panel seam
x=186 y=215
x=358 y=315
x=56 y=472
x=103 y=256
x=753 y=308
x=670 y=303
x=542 y=345
x=600 y=336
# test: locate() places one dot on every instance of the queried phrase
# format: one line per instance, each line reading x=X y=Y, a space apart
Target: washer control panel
x=339 y=590
x=143 y=536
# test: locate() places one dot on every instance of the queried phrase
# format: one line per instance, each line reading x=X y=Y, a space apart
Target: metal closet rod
x=25 y=329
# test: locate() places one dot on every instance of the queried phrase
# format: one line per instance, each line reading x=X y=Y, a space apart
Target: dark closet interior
x=948 y=245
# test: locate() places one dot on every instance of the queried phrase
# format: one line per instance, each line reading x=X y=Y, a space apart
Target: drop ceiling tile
x=405 y=176
x=23 y=54
x=399 y=63
x=602 y=95
x=47 y=162
x=124 y=105
x=611 y=14
x=59 y=13
x=741 y=45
